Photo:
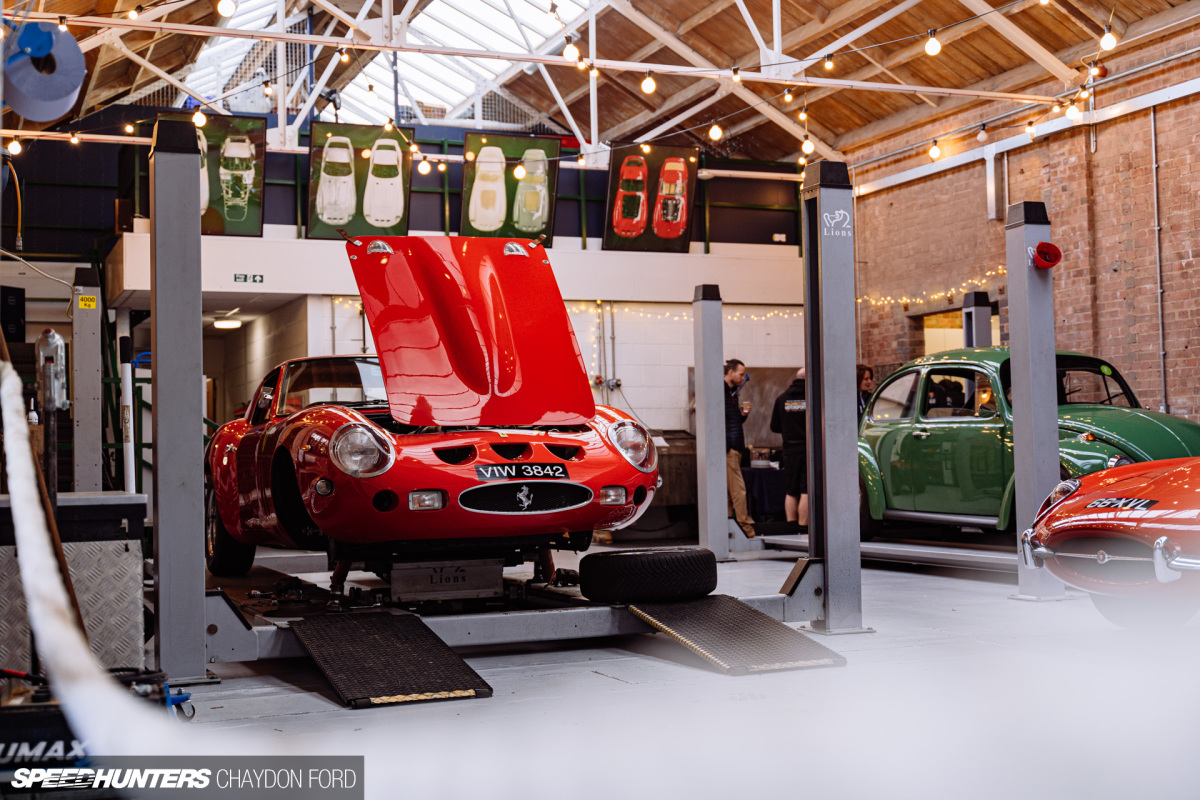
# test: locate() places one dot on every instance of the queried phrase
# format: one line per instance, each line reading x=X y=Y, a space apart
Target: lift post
x=711 y=484
x=1034 y=399
x=977 y=320
x=176 y=314
x=86 y=379
x=830 y=360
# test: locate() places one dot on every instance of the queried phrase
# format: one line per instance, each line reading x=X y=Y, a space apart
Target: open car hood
x=470 y=331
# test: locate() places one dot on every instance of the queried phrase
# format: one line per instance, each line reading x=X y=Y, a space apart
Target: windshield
x=1083 y=380
x=331 y=380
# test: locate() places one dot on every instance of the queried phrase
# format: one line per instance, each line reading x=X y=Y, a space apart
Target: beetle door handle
x=920 y=434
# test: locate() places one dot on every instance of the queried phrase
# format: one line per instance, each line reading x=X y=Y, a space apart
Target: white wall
x=261 y=344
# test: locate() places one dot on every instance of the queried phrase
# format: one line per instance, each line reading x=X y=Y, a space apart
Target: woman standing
x=866 y=385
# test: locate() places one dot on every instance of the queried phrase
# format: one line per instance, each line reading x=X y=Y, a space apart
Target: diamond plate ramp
x=735 y=638
x=377 y=658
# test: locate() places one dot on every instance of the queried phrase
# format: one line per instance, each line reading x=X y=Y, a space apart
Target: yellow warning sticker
x=87 y=301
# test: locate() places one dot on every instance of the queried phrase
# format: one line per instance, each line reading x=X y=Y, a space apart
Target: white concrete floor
x=961 y=692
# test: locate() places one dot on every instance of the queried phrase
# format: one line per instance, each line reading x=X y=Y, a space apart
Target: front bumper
x=1169 y=565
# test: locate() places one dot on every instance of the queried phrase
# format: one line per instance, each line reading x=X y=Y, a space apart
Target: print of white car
x=531 y=207
x=336 y=199
x=383 y=200
x=489 y=199
x=237 y=176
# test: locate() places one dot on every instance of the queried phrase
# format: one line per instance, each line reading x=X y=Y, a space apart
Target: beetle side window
x=895 y=400
x=263 y=401
x=957 y=392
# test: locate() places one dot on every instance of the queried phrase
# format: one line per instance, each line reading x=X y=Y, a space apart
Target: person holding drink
x=736 y=411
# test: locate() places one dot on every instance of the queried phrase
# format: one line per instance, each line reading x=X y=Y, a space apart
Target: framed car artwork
x=509 y=185
x=358 y=180
x=232 y=155
x=650 y=191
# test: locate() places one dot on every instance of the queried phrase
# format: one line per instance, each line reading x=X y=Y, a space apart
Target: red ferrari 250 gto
x=473 y=433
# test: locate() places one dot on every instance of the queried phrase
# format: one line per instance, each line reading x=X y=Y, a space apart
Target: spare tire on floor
x=648 y=576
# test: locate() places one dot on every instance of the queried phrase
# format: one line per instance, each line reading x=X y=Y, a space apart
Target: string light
x=715 y=132
x=1108 y=41
x=14 y=147
x=829 y=61
x=803 y=160
x=198 y=119
x=932 y=45
x=266 y=88
x=1056 y=108
x=648 y=84
x=581 y=64
x=1032 y=131
x=519 y=171
x=423 y=167
x=737 y=76
x=227 y=8
x=343 y=56
x=1073 y=113
x=129 y=127
x=1083 y=94
x=469 y=155
x=387 y=126
x=692 y=159
x=366 y=153
x=807 y=146
x=982 y=136
x=787 y=96
x=412 y=148
x=571 y=52
x=371 y=90
x=803 y=113
x=645 y=148
x=135 y=12
x=802 y=174
x=934 y=150
x=581 y=160
x=441 y=166
x=62 y=24
x=594 y=71
x=1044 y=2
x=74 y=137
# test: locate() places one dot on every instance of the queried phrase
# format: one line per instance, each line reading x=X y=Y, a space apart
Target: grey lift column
x=1034 y=399
x=977 y=320
x=86 y=379
x=830 y=360
x=177 y=366
x=711 y=485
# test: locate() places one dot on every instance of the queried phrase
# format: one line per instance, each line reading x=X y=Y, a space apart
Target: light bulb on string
x=1073 y=113
x=266 y=88
x=366 y=153
x=1031 y=130
x=14 y=147
x=787 y=96
x=594 y=71
x=441 y=166
x=692 y=159
x=519 y=171
x=1108 y=41
x=469 y=155
x=423 y=167
x=1084 y=94
x=803 y=161
x=829 y=61
x=982 y=136
x=387 y=126
x=581 y=160
x=343 y=56
x=227 y=8
x=737 y=76
x=1056 y=108
x=74 y=137
x=932 y=45
x=645 y=148
x=803 y=113
x=581 y=64
x=198 y=119
x=571 y=52
x=648 y=84
x=934 y=150
x=129 y=128
x=135 y=12
x=371 y=90
x=715 y=132
x=412 y=147
x=62 y=24
x=807 y=146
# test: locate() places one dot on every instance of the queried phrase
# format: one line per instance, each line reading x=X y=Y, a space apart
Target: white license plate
x=520 y=472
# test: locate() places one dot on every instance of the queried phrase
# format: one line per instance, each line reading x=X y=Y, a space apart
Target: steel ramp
x=735 y=638
x=377 y=658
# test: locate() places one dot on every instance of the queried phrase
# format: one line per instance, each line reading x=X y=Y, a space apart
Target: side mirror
x=264 y=402
x=986 y=413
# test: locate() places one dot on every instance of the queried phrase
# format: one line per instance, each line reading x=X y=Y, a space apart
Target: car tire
x=225 y=556
x=648 y=576
x=1142 y=613
x=868 y=526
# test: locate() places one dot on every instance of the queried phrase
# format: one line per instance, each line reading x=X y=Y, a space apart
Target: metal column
x=178 y=358
x=977 y=320
x=86 y=379
x=829 y=311
x=711 y=486
x=1034 y=399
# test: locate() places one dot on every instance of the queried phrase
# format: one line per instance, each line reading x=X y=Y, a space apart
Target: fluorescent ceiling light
x=227 y=324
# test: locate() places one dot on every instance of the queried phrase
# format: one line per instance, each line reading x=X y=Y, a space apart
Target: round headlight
x=1059 y=493
x=633 y=442
x=360 y=451
x=1120 y=461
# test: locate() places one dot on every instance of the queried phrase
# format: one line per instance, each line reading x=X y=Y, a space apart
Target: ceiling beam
x=566 y=112
x=1100 y=14
x=1023 y=41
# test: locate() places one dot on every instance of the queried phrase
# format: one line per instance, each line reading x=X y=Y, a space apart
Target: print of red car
x=670 y=206
x=629 y=208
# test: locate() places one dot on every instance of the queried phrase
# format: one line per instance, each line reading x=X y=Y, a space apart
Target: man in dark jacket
x=735 y=442
x=790 y=418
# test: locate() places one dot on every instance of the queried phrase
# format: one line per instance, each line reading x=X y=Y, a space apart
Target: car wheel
x=225 y=556
x=1142 y=613
x=648 y=576
x=868 y=526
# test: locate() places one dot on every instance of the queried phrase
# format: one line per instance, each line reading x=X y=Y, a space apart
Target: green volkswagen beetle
x=936 y=442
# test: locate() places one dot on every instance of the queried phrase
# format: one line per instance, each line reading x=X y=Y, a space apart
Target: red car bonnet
x=468 y=334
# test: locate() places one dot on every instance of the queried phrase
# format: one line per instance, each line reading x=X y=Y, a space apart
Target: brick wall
x=926 y=240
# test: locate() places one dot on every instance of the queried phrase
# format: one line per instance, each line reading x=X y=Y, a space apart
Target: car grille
x=525 y=497
x=1124 y=561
